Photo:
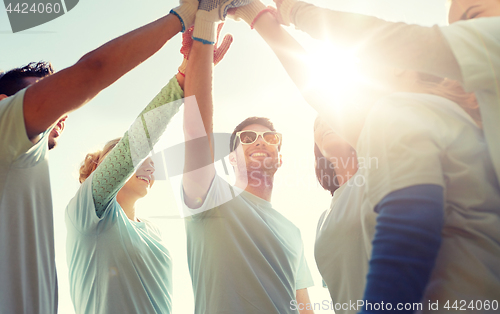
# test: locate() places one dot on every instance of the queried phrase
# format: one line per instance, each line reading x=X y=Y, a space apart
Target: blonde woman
x=117 y=261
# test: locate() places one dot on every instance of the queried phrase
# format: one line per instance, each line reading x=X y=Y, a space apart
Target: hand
x=219 y=51
x=186 y=13
x=250 y=13
x=284 y=10
x=211 y=12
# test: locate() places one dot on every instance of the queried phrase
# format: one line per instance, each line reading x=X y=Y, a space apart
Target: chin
x=52 y=143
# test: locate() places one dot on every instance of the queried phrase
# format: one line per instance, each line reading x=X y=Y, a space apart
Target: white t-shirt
x=343 y=244
x=116 y=266
x=28 y=282
x=424 y=139
x=476 y=46
x=244 y=256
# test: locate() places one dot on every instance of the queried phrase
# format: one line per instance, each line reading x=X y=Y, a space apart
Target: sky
x=248 y=82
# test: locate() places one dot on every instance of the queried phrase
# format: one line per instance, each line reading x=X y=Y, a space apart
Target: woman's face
x=470 y=9
x=142 y=180
x=332 y=146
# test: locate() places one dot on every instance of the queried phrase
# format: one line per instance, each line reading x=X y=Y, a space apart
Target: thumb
x=220 y=52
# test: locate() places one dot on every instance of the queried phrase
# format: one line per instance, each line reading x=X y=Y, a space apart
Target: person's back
x=28 y=282
x=438 y=143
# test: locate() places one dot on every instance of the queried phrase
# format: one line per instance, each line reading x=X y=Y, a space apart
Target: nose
x=260 y=140
x=150 y=167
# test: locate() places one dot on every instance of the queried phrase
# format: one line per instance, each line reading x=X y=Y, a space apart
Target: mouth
x=259 y=154
x=143 y=178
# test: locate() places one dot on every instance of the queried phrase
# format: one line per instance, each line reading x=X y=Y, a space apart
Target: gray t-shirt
x=28 y=282
x=343 y=244
x=244 y=256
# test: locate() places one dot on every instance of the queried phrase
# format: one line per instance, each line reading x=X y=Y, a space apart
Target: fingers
x=223 y=48
x=187 y=42
x=219 y=28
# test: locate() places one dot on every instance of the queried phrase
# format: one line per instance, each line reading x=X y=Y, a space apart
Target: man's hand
x=186 y=12
x=219 y=51
x=210 y=12
x=284 y=11
x=249 y=13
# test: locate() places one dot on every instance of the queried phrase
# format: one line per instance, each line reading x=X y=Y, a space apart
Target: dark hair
x=325 y=172
x=249 y=121
x=14 y=80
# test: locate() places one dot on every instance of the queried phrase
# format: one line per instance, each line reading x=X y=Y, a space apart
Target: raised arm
x=136 y=143
x=53 y=97
x=293 y=58
x=400 y=45
x=199 y=170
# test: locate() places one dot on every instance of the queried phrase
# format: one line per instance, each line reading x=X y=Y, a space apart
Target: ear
x=281 y=159
x=3 y=96
x=232 y=158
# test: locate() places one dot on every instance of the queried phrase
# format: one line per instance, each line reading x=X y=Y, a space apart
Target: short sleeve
x=400 y=146
x=13 y=140
x=303 y=278
x=220 y=192
x=81 y=209
x=476 y=45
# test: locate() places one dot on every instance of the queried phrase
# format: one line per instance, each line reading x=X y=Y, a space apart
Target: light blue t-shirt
x=115 y=265
x=28 y=282
x=243 y=256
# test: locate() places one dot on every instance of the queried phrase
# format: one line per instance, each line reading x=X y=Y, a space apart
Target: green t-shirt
x=244 y=256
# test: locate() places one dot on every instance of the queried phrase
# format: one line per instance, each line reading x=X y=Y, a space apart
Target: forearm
x=293 y=58
x=198 y=127
x=406 y=245
x=303 y=302
x=135 y=145
x=69 y=89
x=399 y=45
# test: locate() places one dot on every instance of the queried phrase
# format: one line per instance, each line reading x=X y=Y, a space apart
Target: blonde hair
x=93 y=160
x=452 y=90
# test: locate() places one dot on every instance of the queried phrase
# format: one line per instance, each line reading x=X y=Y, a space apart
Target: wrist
x=250 y=12
x=205 y=28
x=186 y=14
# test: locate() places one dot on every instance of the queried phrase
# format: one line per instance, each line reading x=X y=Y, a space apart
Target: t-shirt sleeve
x=80 y=211
x=13 y=140
x=476 y=44
x=220 y=192
x=304 y=278
x=400 y=146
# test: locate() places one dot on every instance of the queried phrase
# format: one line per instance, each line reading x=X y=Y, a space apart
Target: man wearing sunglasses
x=243 y=255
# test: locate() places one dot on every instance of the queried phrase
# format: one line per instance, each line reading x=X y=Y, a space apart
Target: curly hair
x=14 y=80
x=92 y=160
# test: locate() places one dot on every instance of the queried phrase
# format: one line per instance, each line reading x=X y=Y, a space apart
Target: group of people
x=424 y=228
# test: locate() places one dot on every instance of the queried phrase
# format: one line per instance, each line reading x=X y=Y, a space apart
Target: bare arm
x=400 y=45
x=302 y=297
x=198 y=127
x=51 y=98
x=292 y=56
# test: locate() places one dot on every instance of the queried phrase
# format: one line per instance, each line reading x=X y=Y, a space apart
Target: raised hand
x=186 y=13
x=211 y=12
x=219 y=51
x=249 y=13
x=284 y=10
